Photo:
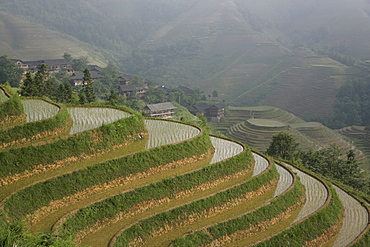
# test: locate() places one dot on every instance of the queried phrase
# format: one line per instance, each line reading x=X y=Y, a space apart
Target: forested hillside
x=247 y=50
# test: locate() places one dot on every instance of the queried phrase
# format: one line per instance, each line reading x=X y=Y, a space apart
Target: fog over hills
x=251 y=52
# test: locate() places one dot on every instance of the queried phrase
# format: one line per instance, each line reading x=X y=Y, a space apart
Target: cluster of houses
x=54 y=65
x=162 y=110
x=167 y=110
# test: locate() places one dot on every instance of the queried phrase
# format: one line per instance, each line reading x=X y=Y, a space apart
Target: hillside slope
x=21 y=39
x=251 y=52
x=175 y=190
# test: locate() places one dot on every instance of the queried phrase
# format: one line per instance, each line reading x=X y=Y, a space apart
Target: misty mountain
x=292 y=54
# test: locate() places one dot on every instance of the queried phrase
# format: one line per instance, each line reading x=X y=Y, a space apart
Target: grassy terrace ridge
x=162 y=186
x=11 y=109
x=101 y=173
x=3 y=95
x=87 y=143
x=247 y=228
x=253 y=108
x=239 y=197
x=267 y=123
x=56 y=124
x=251 y=126
x=170 y=191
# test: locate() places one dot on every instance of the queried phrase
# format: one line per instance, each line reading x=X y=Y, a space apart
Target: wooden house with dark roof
x=54 y=65
x=161 y=110
x=186 y=90
x=212 y=112
x=20 y=64
x=216 y=112
x=125 y=79
x=77 y=78
x=132 y=88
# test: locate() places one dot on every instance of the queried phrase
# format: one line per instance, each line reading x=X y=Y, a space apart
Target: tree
x=9 y=72
x=80 y=63
x=283 y=146
x=64 y=93
x=43 y=82
x=29 y=87
x=88 y=86
x=113 y=98
x=334 y=163
x=214 y=94
x=39 y=85
x=110 y=79
x=68 y=56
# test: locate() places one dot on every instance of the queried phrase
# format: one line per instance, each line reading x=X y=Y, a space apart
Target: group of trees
x=41 y=84
x=352 y=104
x=78 y=64
x=331 y=162
x=9 y=72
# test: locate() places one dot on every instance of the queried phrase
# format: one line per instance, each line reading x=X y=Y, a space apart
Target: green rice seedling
x=316 y=193
x=355 y=222
x=86 y=118
x=167 y=132
x=37 y=109
x=224 y=149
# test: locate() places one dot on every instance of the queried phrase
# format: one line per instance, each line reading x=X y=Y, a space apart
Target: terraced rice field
x=285 y=181
x=109 y=231
x=163 y=133
x=356 y=219
x=90 y=118
x=255 y=126
x=37 y=110
x=224 y=149
x=316 y=194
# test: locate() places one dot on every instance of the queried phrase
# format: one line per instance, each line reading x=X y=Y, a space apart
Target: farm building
x=54 y=65
x=132 y=88
x=161 y=110
x=212 y=112
x=76 y=79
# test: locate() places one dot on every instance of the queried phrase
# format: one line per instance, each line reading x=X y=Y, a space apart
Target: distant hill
x=251 y=52
x=21 y=39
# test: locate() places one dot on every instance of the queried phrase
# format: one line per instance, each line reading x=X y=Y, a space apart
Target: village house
x=77 y=79
x=161 y=110
x=212 y=112
x=186 y=90
x=125 y=79
x=132 y=88
x=53 y=65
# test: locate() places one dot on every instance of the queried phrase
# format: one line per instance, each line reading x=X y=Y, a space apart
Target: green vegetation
x=38 y=195
x=31 y=130
x=39 y=85
x=352 y=105
x=9 y=72
x=145 y=228
x=363 y=241
x=155 y=191
x=249 y=220
x=283 y=146
x=15 y=234
x=11 y=111
x=314 y=226
x=87 y=94
x=87 y=143
x=330 y=163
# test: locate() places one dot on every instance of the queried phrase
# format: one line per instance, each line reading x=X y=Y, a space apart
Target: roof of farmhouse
x=159 y=107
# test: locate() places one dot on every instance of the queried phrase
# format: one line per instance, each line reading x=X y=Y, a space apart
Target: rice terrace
x=107 y=176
